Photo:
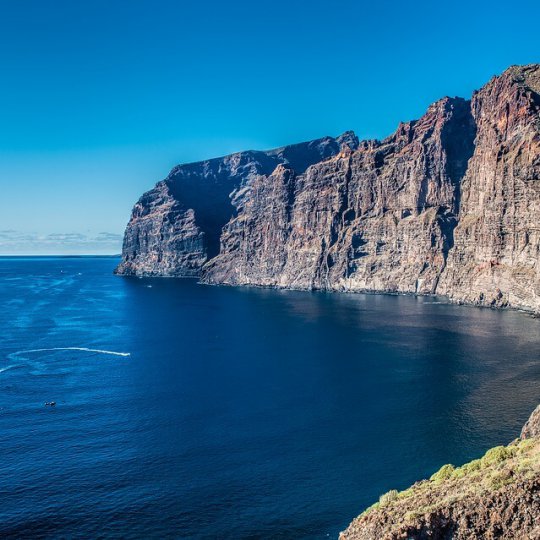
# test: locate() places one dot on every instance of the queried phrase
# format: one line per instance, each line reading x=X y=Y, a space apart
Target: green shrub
x=372 y=507
x=406 y=493
x=412 y=515
x=497 y=455
x=443 y=473
x=387 y=498
x=525 y=445
x=474 y=465
x=525 y=465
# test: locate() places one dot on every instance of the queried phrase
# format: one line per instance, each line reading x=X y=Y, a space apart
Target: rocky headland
x=449 y=204
x=496 y=496
x=175 y=228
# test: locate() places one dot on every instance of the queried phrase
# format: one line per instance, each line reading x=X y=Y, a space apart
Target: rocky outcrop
x=162 y=237
x=175 y=227
x=497 y=496
x=532 y=427
x=449 y=204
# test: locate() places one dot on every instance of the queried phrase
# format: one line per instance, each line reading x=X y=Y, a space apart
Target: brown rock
x=379 y=218
x=512 y=512
x=449 y=204
x=532 y=427
x=175 y=227
x=497 y=496
x=495 y=259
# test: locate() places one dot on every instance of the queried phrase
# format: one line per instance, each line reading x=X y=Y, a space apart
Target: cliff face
x=532 y=427
x=497 y=496
x=449 y=204
x=495 y=259
x=380 y=217
x=175 y=227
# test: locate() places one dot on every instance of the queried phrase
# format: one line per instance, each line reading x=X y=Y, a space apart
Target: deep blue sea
x=239 y=412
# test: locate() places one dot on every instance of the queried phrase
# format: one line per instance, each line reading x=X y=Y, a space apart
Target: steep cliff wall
x=175 y=227
x=449 y=204
x=380 y=217
x=496 y=254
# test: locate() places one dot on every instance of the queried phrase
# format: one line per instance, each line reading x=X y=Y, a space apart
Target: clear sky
x=99 y=99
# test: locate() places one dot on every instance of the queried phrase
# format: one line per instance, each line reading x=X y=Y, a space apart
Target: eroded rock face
x=162 y=237
x=495 y=259
x=380 y=217
x=449 y=204
x=175 y=227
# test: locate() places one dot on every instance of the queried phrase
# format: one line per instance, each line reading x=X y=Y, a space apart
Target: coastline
x=441 y=298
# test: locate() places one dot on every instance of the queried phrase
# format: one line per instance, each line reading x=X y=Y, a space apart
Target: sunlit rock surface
x=449 y=204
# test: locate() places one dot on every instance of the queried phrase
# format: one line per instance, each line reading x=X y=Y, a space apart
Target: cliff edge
x=496 y=496
x=175 y=228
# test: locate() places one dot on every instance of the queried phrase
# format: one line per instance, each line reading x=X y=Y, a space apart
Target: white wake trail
x=6 y=368
x=84 y=349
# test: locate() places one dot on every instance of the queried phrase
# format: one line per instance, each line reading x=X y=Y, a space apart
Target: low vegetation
x=499 y=467
x=387 y=498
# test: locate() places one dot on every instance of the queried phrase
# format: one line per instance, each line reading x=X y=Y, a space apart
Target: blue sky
x=98 y=100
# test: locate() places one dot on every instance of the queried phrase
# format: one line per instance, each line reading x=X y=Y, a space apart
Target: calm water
x=240 y=413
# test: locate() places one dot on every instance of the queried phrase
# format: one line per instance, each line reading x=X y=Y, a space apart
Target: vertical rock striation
x=495 y=259
x=380 y=217
x=175 y=227
x=448 y=204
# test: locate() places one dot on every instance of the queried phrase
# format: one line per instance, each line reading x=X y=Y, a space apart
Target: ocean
x=189 y=411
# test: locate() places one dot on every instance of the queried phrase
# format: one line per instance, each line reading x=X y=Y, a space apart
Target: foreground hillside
x=449 y=204
x=496 y=496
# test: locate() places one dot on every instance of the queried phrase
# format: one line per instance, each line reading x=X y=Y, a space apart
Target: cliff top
x=299 y=155
x=526 y=75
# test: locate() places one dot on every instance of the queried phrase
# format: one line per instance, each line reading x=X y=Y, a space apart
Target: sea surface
x=236 y=413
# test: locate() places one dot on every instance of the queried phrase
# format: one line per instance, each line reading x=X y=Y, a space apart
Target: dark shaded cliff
x=176 y=227
x=380 y=217
x=448 y=204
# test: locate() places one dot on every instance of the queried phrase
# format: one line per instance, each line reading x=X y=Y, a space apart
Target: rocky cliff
x=175 y=227
x=532 y=427
x=380 y=217
x=495 y=259
x=448 y=204
x=497 y=496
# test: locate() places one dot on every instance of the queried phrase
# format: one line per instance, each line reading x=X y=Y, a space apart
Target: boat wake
x=83 y=349
x=6 y=368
